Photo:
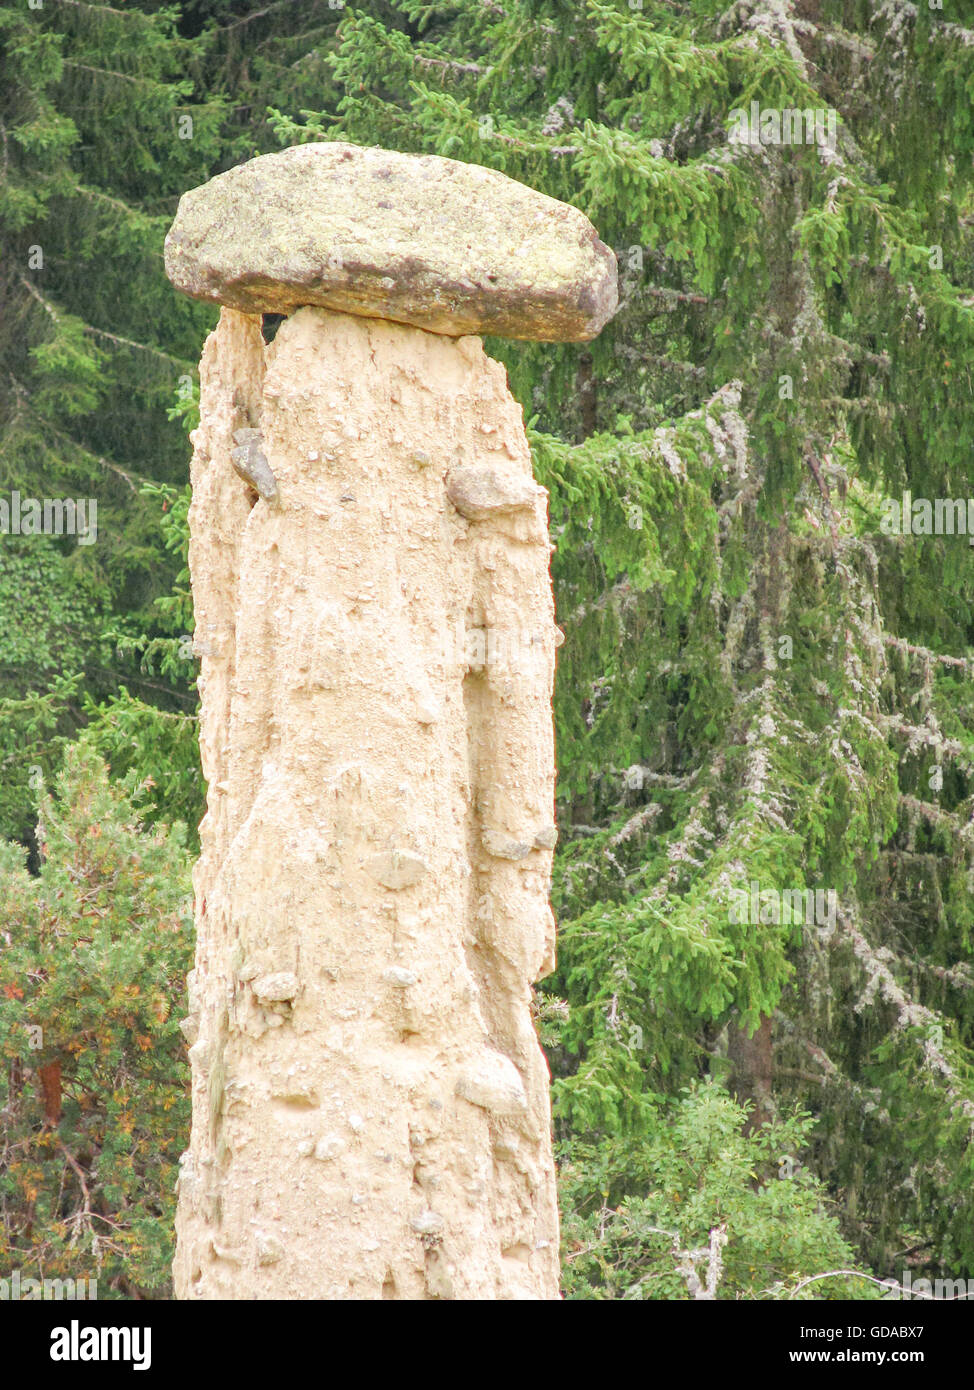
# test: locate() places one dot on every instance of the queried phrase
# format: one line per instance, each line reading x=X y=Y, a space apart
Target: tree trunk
x=752 y=1075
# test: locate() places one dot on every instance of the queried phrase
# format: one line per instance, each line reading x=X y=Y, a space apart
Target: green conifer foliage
x=94 y=107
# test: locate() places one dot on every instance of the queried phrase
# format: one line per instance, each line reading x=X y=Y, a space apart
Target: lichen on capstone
x=448 y=247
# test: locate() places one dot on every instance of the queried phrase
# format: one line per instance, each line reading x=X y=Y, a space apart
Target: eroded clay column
x=369 y=554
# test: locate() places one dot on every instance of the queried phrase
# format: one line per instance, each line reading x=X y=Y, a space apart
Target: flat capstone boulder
x=448 y=247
